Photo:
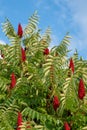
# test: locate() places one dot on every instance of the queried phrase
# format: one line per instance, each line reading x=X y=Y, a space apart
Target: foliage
x=40 y=78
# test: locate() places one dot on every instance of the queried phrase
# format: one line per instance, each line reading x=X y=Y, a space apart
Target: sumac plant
x=41 y=88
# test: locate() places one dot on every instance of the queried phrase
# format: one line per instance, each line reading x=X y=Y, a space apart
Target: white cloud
x=79 y=13
x=2 y=42
x=77 y=10
x=79 y=17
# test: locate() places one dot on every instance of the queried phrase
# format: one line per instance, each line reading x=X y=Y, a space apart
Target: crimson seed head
x=46 y=51
x=20 y=31
x=71 y=65
x=13 y=81
x=81 y=89
x=19 y=121
x=66 y=126
x=56 y=103
x=23 y=54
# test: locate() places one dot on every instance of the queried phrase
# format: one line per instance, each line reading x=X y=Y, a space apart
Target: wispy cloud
x=79 y=9
x=2 y=42
x=79 y=17
x=60 y=15
x=75 y=14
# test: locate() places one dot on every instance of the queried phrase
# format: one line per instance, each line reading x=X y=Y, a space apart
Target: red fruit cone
x=19 y=121
x=66 y=126
x=20 y=31
x=46 y=51
x=13 y=81
x=71 y=65
x=23 y=54
x=56 y=103
x=81 y=89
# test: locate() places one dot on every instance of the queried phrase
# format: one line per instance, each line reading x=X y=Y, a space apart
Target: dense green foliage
x=40 y=76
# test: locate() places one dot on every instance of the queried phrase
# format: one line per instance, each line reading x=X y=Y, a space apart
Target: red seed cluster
x=23 y=54
x=13 y=81
x=19 y=121
x=66 y=126
x=20 y=31
x=81 y=89
x=46 y=51
x=56 y=103
x=71 y=65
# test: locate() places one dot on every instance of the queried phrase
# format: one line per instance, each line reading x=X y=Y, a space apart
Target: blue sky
x=61 y=15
